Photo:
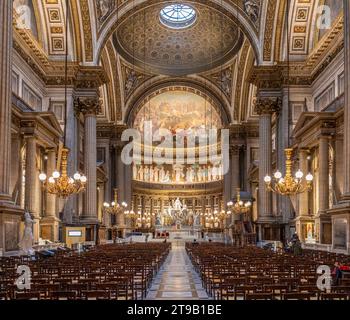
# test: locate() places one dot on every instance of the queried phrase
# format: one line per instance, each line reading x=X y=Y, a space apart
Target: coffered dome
x=178 y=39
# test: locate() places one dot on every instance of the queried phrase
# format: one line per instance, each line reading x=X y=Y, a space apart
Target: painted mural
x=178 y=111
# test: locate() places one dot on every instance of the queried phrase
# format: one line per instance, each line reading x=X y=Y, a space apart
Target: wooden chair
x=259 y=296
x=298 y=296
x=27 y=296
x=334 y=296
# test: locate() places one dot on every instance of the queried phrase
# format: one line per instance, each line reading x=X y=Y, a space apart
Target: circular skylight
x=178 y=16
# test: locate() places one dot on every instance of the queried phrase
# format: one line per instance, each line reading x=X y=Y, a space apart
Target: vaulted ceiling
x=140 y=56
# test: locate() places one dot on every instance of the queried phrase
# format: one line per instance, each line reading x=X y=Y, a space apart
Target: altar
x=178 y=217
x=184 y=234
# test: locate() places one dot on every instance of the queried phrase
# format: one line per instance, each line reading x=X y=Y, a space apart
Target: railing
x=335 y=105
x=240 y=240
x=21 y=104
x=173 y=186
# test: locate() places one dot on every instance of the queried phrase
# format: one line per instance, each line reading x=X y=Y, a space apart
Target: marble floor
x=177 y=279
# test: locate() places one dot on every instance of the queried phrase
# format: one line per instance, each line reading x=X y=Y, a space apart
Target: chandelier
x=222 y=215
x=115 y=208
x=60 y=183
x=240 y=206
x=289 y=185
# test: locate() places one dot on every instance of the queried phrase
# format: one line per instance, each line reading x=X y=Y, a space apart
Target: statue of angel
x=26 y=244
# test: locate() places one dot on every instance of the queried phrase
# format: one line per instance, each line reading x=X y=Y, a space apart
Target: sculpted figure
x=140 y=174
x=26 y=244
x=156 y=174
x=252 y=8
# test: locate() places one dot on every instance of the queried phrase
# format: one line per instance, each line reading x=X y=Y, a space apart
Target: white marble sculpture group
x=177 y=174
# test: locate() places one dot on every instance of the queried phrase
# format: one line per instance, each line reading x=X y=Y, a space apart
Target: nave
x=177 y=279
x=176 y=271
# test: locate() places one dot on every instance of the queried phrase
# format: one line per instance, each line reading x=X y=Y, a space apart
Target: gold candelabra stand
x=240 y=206
x=289 y=184
x=60 y=183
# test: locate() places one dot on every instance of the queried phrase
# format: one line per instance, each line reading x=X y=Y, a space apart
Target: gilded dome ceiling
x=145 y=40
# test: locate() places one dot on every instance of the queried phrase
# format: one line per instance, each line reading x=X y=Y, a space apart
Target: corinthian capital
x=87 y=105
x=267 y=105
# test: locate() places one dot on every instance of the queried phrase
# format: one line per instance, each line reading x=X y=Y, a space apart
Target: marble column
x=323 y=184
x=265 y=108
x=31 y=177
x=346 y=191
x=120 y=173
x=16 y=177
x=235 y=180
x=89 y=106
x=265 y=151
x=284 y=205
x=90 y=167
x=50 y=222
x=73 y=206
x=303 y=198
x=50 y=198
x=5 y=98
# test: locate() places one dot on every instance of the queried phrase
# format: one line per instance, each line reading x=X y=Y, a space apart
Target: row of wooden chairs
x=230 y=273
x=117 y=271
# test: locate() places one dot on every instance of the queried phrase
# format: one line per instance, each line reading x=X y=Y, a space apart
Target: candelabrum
x=289 y=185
x=132 y=215
x=60 y=183
x=115 y=208
x=221 y=216
x=240 y=206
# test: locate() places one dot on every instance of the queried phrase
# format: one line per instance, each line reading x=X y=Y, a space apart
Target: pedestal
x=10 y=227
x=49 y=227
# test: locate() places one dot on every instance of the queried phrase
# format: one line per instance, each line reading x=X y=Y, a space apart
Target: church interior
x=174 y=150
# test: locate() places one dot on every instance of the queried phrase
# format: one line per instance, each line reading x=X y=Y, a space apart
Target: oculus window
x=178 y=16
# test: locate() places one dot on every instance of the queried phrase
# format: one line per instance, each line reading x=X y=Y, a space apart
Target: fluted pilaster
x=303 y=197
x=89 y=106
x=120 y=173
x=346 y=191
x=323 y=185
x=90 y=166
x=5 y=97
x=31 y=179
x=265 y=107
x=50 y=198
x=30 y=175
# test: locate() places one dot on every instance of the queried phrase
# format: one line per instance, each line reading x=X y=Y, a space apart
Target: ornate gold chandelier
x=289 y=185
x=132 y=215
x=240 y=206
x=115 y=208
x=60 y=183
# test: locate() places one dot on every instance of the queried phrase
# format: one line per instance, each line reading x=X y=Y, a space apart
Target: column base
x=10 y=226
x=345 y=198
x=340 y=222
x=269 y=228
x=49 y=227
x=88 y=220
x=323 y=227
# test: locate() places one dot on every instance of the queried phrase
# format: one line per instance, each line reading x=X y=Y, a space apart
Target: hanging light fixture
x=289 y=184
x=240 y=206
x=60 y=183
x=115 y=208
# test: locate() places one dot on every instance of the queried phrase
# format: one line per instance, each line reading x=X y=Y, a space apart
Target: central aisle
x=177 y=279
